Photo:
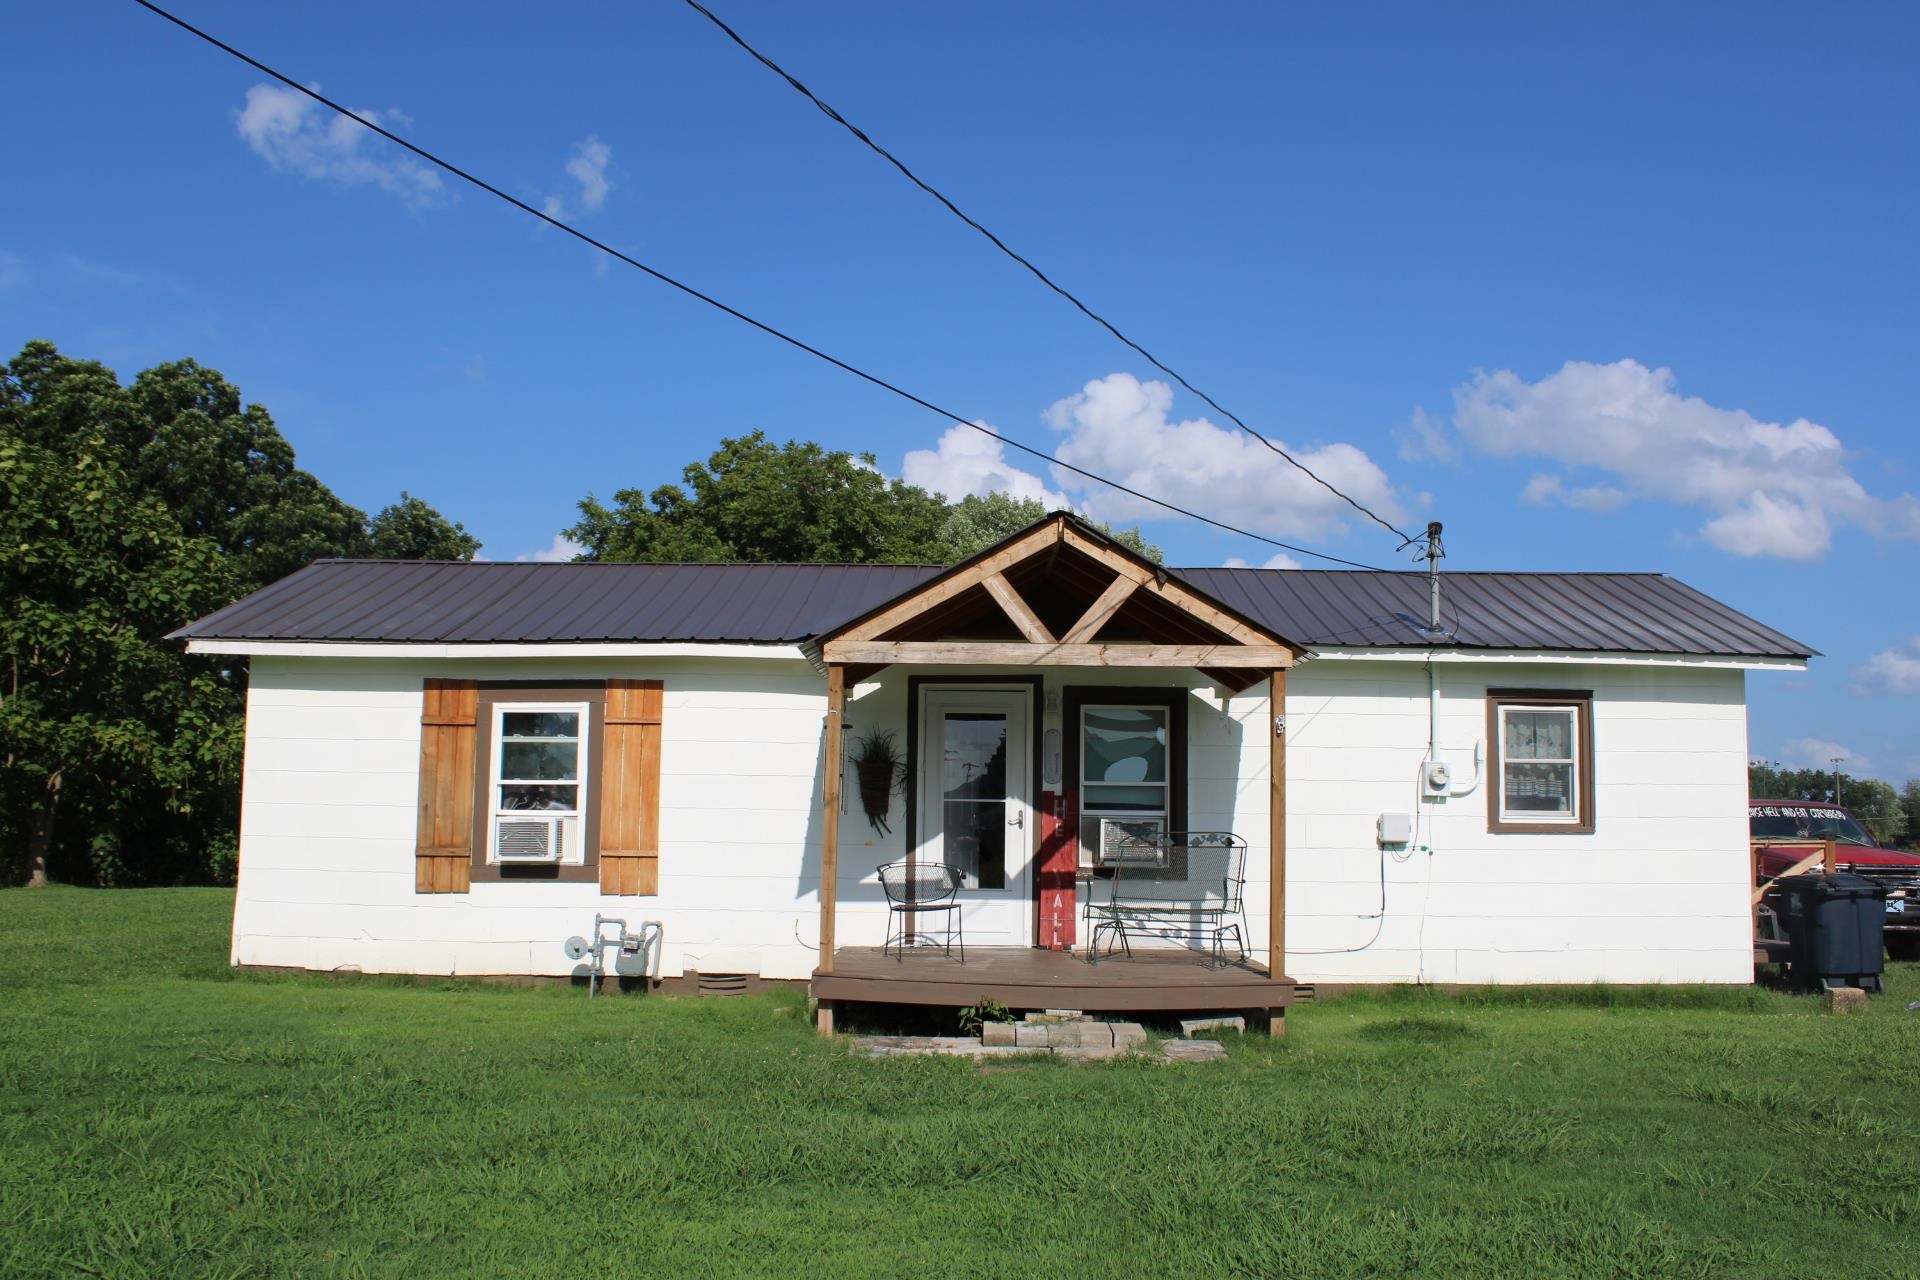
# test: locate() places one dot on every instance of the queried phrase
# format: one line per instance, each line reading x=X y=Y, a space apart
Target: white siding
x=1656 y=894
x=328 y=820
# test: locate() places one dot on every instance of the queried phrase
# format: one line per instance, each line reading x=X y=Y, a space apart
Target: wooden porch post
x=830 y=830
x=1277 y=839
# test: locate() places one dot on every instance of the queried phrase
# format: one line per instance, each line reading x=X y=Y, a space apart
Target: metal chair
x=915 y=890
x=1185 y=885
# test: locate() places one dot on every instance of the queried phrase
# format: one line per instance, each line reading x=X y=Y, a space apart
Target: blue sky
x=1631 y=287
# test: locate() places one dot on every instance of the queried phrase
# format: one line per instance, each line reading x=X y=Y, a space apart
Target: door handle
x=1019 y=818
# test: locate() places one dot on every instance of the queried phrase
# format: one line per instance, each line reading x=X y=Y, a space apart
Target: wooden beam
x=830 y=816
x=1100 y=610
x=943 y=590
x=1014 y=653
x=1180 y=597
x=1023 y=617
x=1232 y=682
x=1277 y=828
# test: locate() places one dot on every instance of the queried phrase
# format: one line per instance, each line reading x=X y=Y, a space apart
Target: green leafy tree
x=799 y=503
x=225 y=471
x=126 y=512
x=1910 y=811
x=977 y=522
x=103 y=726
x=412 y=530
x=755 y=500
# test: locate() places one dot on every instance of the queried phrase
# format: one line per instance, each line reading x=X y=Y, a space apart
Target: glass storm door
x=976 y=807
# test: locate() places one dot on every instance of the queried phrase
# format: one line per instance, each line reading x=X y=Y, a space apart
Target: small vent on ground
x=722 y=984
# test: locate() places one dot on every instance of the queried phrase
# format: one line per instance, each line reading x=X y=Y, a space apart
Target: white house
x=452 y=768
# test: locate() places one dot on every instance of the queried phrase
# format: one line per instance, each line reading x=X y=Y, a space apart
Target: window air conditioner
x=1132 y=841
x=526 y=839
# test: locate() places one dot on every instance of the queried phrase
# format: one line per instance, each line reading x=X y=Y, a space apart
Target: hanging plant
x=878 y=765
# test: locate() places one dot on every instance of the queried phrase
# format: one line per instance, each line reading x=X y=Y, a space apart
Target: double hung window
x=538 y=783
x=1126 y=775
x=1543 y=760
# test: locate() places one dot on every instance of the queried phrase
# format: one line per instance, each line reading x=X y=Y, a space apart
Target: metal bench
x=1183 y=885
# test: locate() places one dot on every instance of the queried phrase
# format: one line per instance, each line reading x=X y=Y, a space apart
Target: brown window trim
x=1582 y=702
x=492 y=694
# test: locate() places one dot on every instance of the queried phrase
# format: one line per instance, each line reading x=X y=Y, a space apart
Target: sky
x=1625 y=287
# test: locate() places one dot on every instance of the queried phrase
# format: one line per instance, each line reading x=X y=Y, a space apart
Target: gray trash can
x=1834 y=927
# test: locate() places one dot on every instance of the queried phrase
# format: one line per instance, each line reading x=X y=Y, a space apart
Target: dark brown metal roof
x=1579 y=612
x=485 y=602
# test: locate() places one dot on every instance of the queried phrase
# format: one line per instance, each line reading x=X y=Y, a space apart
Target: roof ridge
x=1421 y=573
x=656 y=564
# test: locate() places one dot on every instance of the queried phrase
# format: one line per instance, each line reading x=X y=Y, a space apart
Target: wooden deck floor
x=1029 y=978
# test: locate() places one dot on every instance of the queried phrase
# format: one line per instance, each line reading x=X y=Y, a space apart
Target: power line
x=715 y=303
x=1405 y=538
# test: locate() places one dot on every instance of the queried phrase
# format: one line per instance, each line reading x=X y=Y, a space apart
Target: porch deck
x=1031 y=978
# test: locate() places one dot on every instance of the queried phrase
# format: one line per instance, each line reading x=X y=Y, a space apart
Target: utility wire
x=715 y=303
x=1405 y=538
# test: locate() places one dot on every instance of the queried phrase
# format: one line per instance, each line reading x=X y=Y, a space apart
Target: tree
x=412 y=530
x=1910 y=810
x=754 y=500
x=126 y=512
x=799 y=503
x=226 y=472
x=100 y=720
x=977 y=522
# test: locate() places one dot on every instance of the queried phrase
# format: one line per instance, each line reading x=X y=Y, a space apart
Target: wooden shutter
x=630 y=789
x=448 y=731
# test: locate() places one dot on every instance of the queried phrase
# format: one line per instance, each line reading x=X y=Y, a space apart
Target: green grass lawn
x=160 y=1116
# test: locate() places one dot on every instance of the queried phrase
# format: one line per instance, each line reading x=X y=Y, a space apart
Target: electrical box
x=1436 y=778
x=1395 y=828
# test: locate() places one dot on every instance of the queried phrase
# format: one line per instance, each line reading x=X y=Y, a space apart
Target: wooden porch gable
x=1059 y=594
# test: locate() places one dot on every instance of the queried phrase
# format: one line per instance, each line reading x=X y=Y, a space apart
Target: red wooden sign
x=1059 y=862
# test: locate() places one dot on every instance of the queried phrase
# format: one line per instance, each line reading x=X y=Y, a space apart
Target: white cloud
x=1544 y=489
x=1818 y=753
x=1425 y=440
x=1770 y=489
x=1119 y=427
x=295 y=134
x=1895 y=670
x=1280 y=561
x=588 y=168
x=560 y=549
x=13 y=269
x=968 y=462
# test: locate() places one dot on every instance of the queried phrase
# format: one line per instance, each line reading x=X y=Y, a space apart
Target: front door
x=976 y=805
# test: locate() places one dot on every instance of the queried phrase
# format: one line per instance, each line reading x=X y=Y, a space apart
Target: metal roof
x=481 y=602
x=1579 y=612
x=440 y=602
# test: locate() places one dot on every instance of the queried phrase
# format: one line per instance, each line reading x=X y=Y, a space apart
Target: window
x=537 y=795
x=511 y=783
x=538 y=783
x=1127 y=763
x=1542 y=766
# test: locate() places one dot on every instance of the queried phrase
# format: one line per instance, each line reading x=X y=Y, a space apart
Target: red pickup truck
x=1799 y=825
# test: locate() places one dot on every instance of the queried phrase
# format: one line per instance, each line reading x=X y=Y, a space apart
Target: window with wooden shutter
x=630 y=789
x=448 y=730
